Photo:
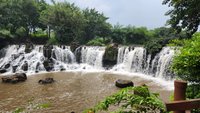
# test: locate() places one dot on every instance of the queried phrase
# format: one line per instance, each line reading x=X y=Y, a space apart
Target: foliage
x=186 y=64
x=18 y=110
x=131 y=100
x=98 y=41
x=95 y=26
x=66 y=20
x=184 y=15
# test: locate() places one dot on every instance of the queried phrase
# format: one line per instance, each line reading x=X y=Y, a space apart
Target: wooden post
x=180 y=92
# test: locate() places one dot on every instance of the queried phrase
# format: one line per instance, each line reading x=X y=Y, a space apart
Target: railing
x=180 y=105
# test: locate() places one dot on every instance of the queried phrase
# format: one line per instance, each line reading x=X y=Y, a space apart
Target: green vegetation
x=35 y=21
x=187 y=63
x=185 y=14
x=131 y=100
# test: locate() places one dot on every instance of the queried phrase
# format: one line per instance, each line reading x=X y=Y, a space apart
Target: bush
x=98 y=41
x=39 y=38
x=187 y=64
x=131 y=100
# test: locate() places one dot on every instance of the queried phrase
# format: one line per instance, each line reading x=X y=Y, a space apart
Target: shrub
x=131 y=100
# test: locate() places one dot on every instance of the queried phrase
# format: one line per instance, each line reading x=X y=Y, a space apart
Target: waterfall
x=136 y=60
x=131 y=59
x=92 y=56
x=14 y=58
x=164 y=59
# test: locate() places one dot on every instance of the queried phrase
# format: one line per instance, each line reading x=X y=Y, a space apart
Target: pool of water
x=72 y=91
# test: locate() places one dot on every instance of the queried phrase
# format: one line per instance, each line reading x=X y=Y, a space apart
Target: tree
x=96 y=25
x=19 y=15
x=66 y=20
x=184 y=15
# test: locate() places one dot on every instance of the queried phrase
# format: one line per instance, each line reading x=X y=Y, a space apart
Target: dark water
x=72 y=91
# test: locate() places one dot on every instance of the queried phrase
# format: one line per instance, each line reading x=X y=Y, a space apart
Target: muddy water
x=72 y=91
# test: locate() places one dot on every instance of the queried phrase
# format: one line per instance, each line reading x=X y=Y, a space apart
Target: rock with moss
x=110 y=56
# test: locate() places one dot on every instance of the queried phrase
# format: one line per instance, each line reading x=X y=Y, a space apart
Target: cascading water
x=137 y=60
x=14 y=58
x=92 y=56
x=131 y=59
x=164 y=59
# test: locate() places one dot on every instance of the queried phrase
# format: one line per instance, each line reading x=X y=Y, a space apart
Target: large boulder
x=123 y=83
x=110 y=56
x=46 y=81
x=18 y=77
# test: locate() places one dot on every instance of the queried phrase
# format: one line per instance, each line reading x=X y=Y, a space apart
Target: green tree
x=118 y=34
x=184 y=15
x=66 y=20
x=96 y=25
x=19 y=14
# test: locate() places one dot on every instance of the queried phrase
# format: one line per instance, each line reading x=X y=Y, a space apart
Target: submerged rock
x=46 y=81
x=18 y=77
x=123 y=83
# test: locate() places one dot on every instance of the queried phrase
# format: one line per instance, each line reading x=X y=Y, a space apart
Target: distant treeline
x=36 y=21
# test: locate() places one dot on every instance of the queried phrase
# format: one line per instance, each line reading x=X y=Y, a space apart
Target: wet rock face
x=110 y=56
x=18 y=77
x=3 y=70
x=123 y=83
x=25 y=66
x=48 y=64
x=46 y=81
x=47 y=50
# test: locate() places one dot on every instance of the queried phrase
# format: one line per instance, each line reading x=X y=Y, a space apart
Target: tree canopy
x=185 y=14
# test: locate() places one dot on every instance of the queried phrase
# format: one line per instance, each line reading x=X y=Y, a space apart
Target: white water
x=132 y=60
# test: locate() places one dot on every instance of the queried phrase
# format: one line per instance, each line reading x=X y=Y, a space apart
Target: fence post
x=180 y=92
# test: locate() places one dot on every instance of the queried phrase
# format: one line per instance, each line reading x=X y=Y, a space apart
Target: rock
x=7 y=66
x=48 y=64
x=14 y=68
x=46 y=81
x=62 y=69
x=25 y=66
x=123 y=83
x=110 y=56
x=3 y=70
x=47 y=50
x=18 y=77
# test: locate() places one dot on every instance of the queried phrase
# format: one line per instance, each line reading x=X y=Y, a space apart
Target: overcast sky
x=149 y=13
